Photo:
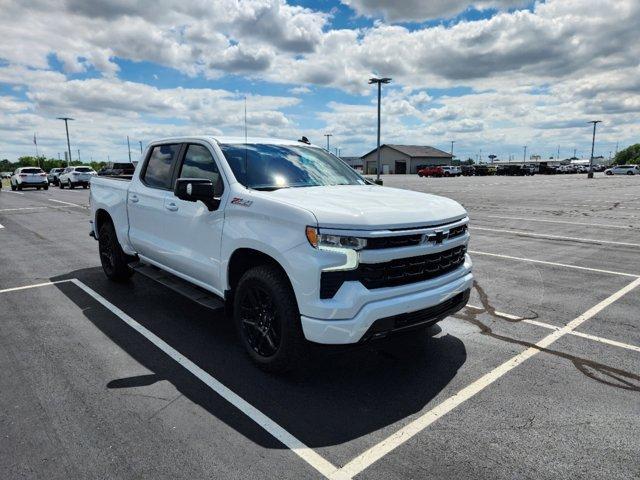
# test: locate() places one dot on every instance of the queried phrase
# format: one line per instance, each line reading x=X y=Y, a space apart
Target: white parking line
x=67 y=203
x=35 y=285
x=1 y=226
x=305 y=453
x=21 y=208
x=555 y=264
x=548 y=326
x=407 y=432
x=558 y=237
x=603 y=225
x=17 y=193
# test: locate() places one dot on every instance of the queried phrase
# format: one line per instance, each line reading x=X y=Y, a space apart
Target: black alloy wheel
x=260 y=326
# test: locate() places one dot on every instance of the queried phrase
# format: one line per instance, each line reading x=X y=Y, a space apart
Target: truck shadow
x=338 y=397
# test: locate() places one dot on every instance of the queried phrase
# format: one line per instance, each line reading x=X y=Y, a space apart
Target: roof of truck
x=226 y=139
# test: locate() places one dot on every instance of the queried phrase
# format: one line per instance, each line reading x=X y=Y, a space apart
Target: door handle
x=133 y=198
x=171 y=206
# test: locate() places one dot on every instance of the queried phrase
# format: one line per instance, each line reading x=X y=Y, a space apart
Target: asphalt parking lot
x=538 y=378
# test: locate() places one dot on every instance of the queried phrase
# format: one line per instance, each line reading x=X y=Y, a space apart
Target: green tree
x=630 y=155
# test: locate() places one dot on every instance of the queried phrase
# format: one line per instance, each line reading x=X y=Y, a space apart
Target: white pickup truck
x=295 y=244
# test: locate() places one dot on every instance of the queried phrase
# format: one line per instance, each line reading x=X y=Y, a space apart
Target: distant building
x=354 y=162
x=399 y=159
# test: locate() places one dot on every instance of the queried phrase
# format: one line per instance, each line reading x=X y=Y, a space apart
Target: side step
x=193 y=292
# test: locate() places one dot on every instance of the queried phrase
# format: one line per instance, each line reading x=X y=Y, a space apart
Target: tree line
x=44 y=163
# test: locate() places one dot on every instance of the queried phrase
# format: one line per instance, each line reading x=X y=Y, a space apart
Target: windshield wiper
x=268 y=188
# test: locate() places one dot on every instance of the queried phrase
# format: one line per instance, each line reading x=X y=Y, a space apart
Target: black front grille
x=397 y=272
x=393 y=242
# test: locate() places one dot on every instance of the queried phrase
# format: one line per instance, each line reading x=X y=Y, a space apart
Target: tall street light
x=452 y=142
x=379 y=82
x=524 y=155
x=328 y=135
x=66 y=126
x=129 y=148
x=593 y=144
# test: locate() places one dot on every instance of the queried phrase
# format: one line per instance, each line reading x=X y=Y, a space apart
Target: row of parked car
x=69 y=177
x=521 y=170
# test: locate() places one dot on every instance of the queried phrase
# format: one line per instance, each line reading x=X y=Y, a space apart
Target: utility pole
x=140 y=142
x=558 y=157
x=593 y=144
x=66 y=126
x=58 y=155
x=524 y=156
x=79 y=156
x=574 y=153
x=452 y=142
x=379 y=82
x=129 y=147
x=328 y=135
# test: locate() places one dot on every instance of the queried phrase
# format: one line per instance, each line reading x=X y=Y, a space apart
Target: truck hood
x=368 y=207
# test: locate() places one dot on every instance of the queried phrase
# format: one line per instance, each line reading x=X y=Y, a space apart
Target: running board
x=178 y=285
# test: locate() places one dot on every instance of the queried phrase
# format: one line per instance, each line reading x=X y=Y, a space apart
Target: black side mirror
x=194 y=189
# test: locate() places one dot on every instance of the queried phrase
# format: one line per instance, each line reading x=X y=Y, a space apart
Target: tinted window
x=270 y=167
x=83 y=169
x=158 y=171
x=31 y=170
x=199 y=163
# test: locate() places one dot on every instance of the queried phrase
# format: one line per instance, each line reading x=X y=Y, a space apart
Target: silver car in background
x=76 y=176
x=53 y=175
x=29 y=177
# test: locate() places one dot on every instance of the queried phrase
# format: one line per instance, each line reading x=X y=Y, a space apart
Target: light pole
x=379 y=82
x=524 y=156
x=452 y=142
x=328 y=135
x=129 y=147
x=66 y=126
x=593 y=144
x=140 y=142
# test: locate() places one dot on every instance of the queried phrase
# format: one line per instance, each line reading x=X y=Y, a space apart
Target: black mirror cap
x=194 y=189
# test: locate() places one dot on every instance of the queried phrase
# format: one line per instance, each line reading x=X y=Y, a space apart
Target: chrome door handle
x=134 y=199
x=171 y=206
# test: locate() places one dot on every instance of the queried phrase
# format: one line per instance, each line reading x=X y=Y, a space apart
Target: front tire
x=70 y=185
x=115 y=262
x=267 y=319
x=13 y=187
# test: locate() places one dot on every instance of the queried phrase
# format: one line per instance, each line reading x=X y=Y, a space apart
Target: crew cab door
x=148 y=230
x=193 y=232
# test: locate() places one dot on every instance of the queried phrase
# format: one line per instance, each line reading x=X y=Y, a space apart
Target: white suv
x=623 y=170
x=76 y=176
x=29 y=177
x=451 y=171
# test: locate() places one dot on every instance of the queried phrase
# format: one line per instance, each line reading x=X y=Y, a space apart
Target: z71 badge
x=241 y=202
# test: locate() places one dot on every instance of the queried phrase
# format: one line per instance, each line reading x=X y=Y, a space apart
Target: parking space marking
x=66 y=203
x=17 y=193
x=554 y=264
x=548 y=326
x=407 y=432
x=323 y=466
x=1 y=226
x=19 y=209
x=557 y=237
x=603 y=225
x=35 y=285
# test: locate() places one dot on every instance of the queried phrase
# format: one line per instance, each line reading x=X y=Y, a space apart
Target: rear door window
x=157 y=173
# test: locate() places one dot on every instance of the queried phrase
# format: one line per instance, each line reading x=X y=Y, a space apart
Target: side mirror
x=194 y=189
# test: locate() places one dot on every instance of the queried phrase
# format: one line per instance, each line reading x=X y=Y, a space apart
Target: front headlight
x=318 y=239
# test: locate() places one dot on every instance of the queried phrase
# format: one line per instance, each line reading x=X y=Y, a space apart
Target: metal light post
x=129 y=147
x=593 y=144
x=524 y=156
x=140 y=142
x=379 y=82
x=328 y=135
x=66 y=126
x=452 y=142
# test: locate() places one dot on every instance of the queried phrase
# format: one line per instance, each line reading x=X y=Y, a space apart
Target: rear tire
x=61 y=185
x=115 y=262
x=70 y=185
x=268 y=320
x=19 y=187
x=629 y=173
x=13 y=187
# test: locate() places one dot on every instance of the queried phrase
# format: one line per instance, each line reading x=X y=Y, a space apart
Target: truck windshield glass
x=270 y=167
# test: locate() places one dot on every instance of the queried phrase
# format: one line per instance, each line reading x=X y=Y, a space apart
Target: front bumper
x=367 y=322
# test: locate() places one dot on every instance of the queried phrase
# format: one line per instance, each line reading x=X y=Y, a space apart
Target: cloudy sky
x=493 y=75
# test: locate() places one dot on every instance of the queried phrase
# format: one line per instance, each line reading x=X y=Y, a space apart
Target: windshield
x=83 y=169
x=269 y=167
